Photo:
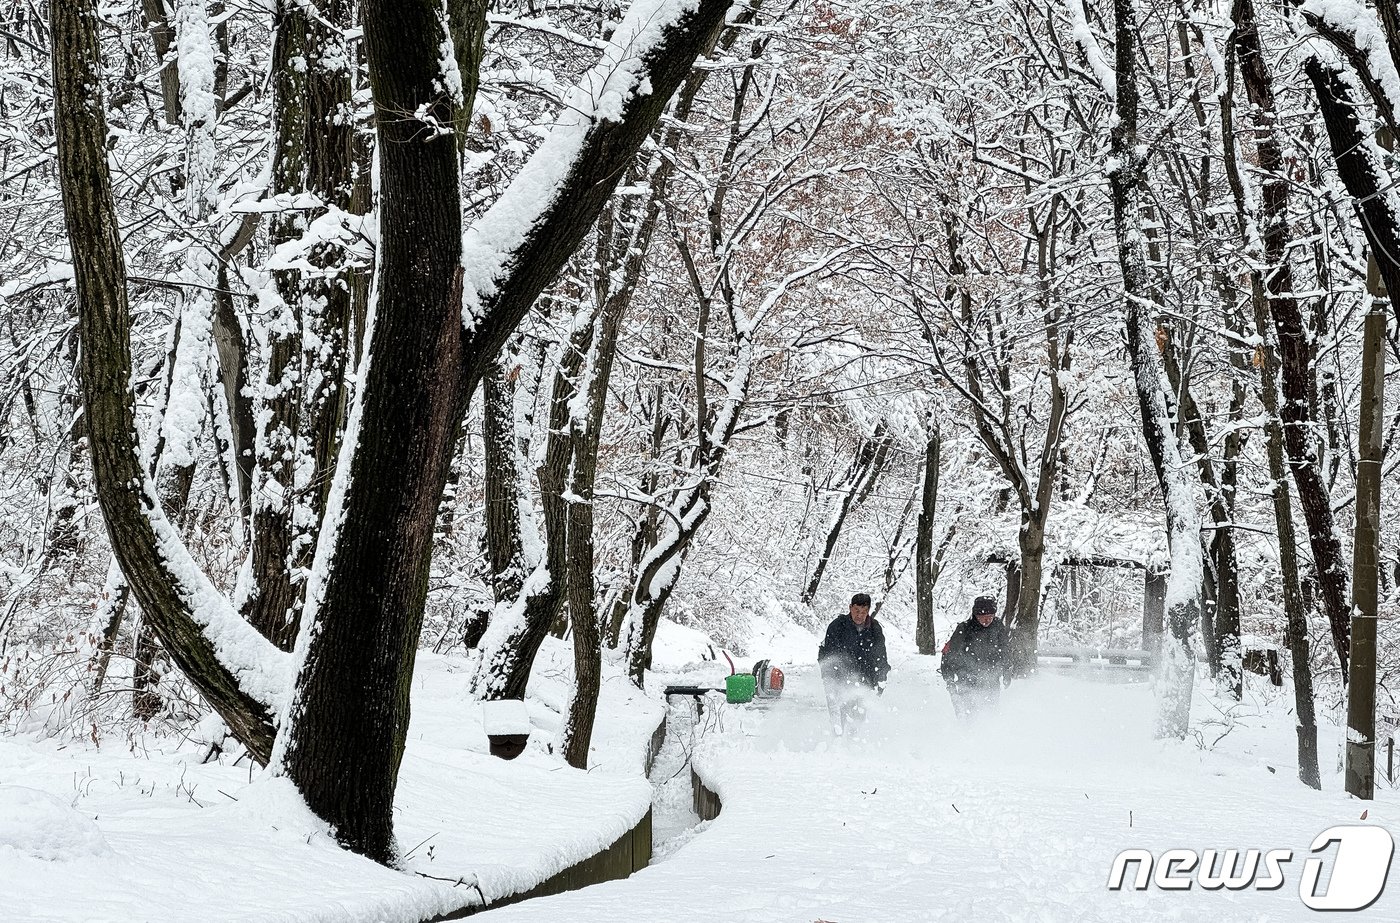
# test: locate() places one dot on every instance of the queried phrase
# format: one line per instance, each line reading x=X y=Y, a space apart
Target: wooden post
x=1361 y=691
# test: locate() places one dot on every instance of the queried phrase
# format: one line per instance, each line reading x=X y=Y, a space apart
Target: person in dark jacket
x=976 y=659
x=853 y=662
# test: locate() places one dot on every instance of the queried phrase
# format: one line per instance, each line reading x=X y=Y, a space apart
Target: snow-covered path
x=1017 y=818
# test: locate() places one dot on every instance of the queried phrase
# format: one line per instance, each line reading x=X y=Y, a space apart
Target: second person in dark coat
x=976 y=659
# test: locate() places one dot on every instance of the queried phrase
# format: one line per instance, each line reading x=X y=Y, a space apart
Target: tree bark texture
x=505 y=665
x=350 y=716
x=1294 y=605
x=1126 y=180
x=924 y=568
x=1361 y=690
x=161 y=575
x=308 y=337
x=1294 y=348
x=162 y=37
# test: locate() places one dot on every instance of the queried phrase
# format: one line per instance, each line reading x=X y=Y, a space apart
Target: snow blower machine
x=763 y=684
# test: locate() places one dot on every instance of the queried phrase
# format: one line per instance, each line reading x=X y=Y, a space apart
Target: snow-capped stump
x=37 y=825
x=507 y=724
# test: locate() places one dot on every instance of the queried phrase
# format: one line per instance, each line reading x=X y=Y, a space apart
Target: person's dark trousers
x=846 y=705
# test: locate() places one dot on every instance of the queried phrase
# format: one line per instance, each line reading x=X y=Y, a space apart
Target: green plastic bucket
x=739 y=687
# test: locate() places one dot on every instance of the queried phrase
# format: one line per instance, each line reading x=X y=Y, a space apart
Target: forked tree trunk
x=986 y=386
x=428 y=348
x=350 y=719
x=160 y=572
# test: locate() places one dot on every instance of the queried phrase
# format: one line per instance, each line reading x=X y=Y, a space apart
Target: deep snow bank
x=115 y=835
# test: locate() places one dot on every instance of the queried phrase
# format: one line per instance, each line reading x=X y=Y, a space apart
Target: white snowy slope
x=1015 y=819
x=106 y=834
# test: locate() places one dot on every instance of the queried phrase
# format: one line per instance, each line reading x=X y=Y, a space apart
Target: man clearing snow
x=975 y=661
x=853 y=662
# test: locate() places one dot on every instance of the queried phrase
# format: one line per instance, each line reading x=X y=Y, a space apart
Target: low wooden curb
x=629 y=853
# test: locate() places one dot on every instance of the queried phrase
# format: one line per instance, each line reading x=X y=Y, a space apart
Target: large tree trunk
x=181 y=605
x=347 y=731
x=428 y=348
x=1126 y=181
x=1246 y=44
x=366 y=596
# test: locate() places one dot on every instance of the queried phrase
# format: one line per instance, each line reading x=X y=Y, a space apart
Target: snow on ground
x=1016 y=818
x=918 y=817
x=89 y=834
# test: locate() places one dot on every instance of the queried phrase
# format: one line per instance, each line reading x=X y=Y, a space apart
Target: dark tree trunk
x=1154 y=607
x=347 y=724
x=505 y=668
x=347 y=736
x=140 y=535
x=1361 y=690
x=1293 y=345
x=145 y=699
x=330 y=176
x=467 y=23
x=1246 y=44
x=1024 y=607
x=869 y=462
x=348 y=729
x=1126 y=183
x=233 y=366
x=583 y=612
x=110 y=608
x=162 y=38
x=924 y=568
